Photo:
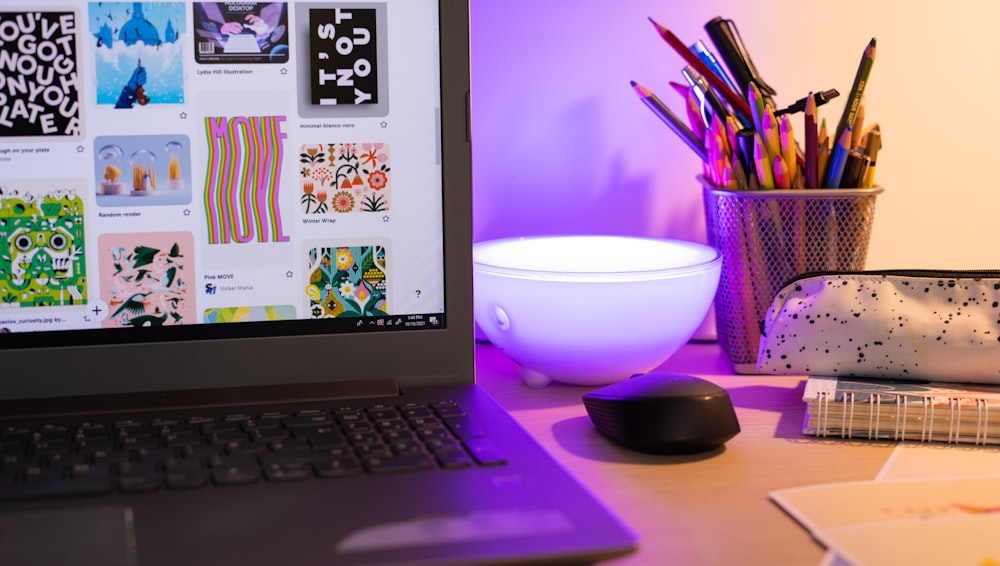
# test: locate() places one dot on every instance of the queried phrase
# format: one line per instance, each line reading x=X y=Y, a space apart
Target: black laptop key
x=448 y=410
x=386 y=425
x=453 y=459
x=269 y=434
x=287 y=472
x=182 y=440
x=234 y=470
x=438 y=445
x=380 y=412
x=155 y=454
x=185 y=478
x=326 y=440
x=362 y=438
x=50 y=446
x=138 y=476
x=44 y=474
x=430 y=434
x=308 y=421
x=111 y=457
x=235 y=475
x=402 y=463
x=138 y=484
x=205 y=451
x=139 y=442
x=248 y=448
x=82 y=485
x=224 y=436
x=369 y=450
x=463 y=427
x=391 y=436
x=484 y=451
x=337 y=467
x=91 y=445
x=417 y=412
x=291 y=456
x=358 y=426
x=406 y=447
x=67 y=459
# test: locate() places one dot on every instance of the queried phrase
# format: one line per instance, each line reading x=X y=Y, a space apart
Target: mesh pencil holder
x=767 y=237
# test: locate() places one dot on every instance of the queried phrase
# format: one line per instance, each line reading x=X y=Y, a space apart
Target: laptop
x=235 y=299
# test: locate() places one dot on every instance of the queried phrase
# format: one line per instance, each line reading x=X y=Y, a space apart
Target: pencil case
x=904 y=324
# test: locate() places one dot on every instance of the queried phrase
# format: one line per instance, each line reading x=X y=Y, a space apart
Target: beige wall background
x=561 y=144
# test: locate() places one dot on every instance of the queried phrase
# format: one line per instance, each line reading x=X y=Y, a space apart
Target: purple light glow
x=561 y=143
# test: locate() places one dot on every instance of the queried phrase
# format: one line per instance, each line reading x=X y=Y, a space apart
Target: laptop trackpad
x=102 y=536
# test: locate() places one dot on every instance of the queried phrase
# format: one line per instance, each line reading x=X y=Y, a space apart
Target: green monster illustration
x=41 y=250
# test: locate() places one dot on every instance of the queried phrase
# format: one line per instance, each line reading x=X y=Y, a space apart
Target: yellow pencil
x=822 y=156
x=821 y=159
x=872 y=146
x=788 y=151
x=769 y=133
x=763 y=163
x=859 y=121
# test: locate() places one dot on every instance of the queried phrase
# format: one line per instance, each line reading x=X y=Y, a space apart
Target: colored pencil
x=788 y=149
x=812 y=143
x=668 y=117
x=770 y=134
x=761 y=160
x=857 y=90
x=782 y=180
x=678 y=46
x=872 y=147
x=835 y=169
x=857 y=128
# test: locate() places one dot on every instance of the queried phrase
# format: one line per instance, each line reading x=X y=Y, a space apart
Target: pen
x=744 y=143
x=712 y=63
x=857 y=89
x=668 y=117
x=731 y=97
x=853 y=169
x=727 y=41
x=819 y=99
x=705 y=94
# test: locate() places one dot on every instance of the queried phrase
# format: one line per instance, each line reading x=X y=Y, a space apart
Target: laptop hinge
x=200 y=398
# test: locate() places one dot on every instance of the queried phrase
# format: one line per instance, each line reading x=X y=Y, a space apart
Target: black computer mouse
x=664 y=413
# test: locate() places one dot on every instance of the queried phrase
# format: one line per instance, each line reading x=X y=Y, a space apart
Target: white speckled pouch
x=914 y=324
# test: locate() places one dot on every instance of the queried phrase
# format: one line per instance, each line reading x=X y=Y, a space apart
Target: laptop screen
x=190 y=190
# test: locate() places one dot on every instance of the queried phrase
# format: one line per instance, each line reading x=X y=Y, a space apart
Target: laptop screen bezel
x=412 y=357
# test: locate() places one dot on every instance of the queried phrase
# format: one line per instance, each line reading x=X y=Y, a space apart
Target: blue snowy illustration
x=139 y=58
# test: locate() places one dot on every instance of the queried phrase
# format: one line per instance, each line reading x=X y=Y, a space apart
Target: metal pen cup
x=766 y=237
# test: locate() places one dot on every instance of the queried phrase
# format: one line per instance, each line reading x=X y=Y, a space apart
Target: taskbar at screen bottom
x=221 y=330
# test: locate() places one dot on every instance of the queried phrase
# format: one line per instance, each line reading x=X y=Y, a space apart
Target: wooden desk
x=701 y=509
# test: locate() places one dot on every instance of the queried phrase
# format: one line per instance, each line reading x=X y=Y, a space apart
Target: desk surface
x=700 y=509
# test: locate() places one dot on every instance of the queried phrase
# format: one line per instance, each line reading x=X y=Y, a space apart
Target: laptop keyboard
x=197 y=451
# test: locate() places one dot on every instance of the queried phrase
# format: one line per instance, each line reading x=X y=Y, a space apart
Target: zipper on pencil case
x=929 y=273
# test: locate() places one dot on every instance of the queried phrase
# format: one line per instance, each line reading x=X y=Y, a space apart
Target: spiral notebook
x=902 y=410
